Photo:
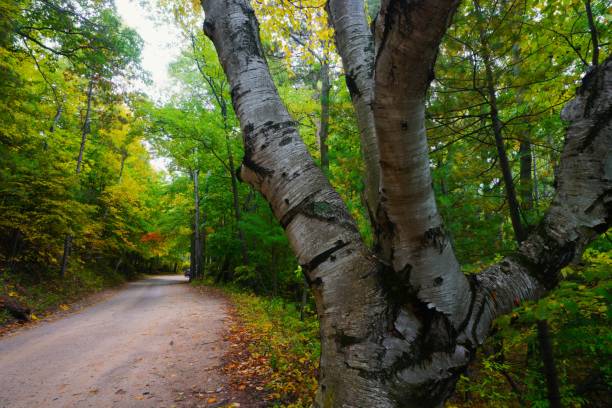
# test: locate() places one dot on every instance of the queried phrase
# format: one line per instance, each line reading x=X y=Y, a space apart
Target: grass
x=282 y=348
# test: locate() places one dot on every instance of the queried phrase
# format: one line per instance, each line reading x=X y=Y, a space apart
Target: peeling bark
x=399 y=325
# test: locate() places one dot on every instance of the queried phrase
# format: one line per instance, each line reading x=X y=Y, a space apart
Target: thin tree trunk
x=66 y=255
x=56 y=118
x=84 y=132
x=593 y=31
x=203 y=234
x=324 y=120
x=197 y=250
x=304 y=298
x=119 y=261
x=236 y=202
x=191 y=258
x=536 y=190
x=550 y=371
x=525 y=182
x=123 y=157
x=86 y=127
x=513 y=205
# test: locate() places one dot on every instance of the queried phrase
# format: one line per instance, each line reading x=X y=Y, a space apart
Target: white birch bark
x=412 y=238
x=393 y=335
x=356 y=47
x=320 y=230
x=581 y=211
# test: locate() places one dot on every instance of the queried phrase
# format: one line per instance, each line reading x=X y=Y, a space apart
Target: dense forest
x=82 y=206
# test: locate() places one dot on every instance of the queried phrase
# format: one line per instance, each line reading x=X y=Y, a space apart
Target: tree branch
x=407 y=36
x=355 y=45
x=580 y=212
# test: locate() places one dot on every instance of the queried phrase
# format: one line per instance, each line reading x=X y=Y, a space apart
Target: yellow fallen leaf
x=33 y=317
x=12 y=294
x=211 y=400
x=64 y=307
x=139 y=397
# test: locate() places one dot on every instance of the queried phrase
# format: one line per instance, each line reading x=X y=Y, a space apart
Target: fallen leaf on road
x=211 y=400
x=139 y=397
x=120 y=391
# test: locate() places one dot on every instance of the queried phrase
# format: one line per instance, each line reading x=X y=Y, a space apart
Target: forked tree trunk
x=399 y=324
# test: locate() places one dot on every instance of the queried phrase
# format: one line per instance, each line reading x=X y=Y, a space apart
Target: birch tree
x=400 y=321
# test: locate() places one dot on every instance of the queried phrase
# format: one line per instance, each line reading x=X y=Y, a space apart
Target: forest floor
x=156 y=342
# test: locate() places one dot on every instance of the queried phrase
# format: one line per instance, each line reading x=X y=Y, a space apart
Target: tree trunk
x=119 y=261
x=86 y=127
x=123 y=157
x=356 y=47
x=550 y=371
x=84 y=132
x=66 y=255
x=593 y=32
x=525 y=175
x=513 y=205
x=236 y=202
x=203 y=234
x=56 y=118
x=398 y=326
x=197 y=249
x=324 y=120
x=192 y=258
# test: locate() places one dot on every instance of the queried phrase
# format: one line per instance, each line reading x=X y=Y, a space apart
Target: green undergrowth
x=508 y=368
x=43 y=296
x=289 y=346
x=578 y=313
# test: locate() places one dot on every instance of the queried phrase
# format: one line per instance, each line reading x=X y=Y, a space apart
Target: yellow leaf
x=12 y=294
x=64 y=307
x=33 y=317
x=211 y=400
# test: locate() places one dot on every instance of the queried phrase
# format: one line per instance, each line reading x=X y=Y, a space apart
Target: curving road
x=157 y=343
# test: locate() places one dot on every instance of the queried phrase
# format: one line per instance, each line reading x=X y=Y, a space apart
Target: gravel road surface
x=156 y=343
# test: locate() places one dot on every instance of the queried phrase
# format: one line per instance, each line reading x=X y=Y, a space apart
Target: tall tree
x=400 y=322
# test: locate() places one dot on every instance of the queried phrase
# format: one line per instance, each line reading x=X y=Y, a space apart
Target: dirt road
x=157 y=343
